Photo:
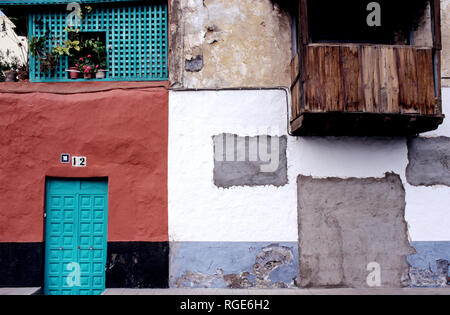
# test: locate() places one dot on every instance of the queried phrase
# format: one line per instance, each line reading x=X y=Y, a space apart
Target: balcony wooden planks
x=368 y=78
x=351 y=78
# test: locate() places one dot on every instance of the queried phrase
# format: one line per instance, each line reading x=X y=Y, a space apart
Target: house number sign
x=79 y=161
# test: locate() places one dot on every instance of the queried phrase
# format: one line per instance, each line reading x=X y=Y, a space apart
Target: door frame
x=44 y=243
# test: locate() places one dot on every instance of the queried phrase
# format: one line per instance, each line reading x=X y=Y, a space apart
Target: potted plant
x=74 y=73
x=49 y=58
x=100 y=71
x=4 y=68
x=88 y=55
x=20 y=68
x=10 y=73
x=99 y=51
x=86 y=66
x=11 y=76
x=11 y=68
x=69 y=48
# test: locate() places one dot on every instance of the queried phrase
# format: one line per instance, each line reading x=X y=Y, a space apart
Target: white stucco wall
x=199 y=211
x=9 y=41
x=428 y=208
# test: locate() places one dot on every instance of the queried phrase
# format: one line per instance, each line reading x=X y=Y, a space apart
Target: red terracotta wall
x=123 y=134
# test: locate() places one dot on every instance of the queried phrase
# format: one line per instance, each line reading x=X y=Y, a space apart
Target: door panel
x=76 y=236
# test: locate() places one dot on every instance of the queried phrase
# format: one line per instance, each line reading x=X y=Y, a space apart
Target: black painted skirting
x=137 y=265
x=129 y=265
x=21 y=264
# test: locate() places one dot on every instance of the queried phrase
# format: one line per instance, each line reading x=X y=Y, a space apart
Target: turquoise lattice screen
x=136 y=40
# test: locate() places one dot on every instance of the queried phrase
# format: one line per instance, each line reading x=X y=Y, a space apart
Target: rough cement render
x=242 y=43
x=429 y=161
x=272 y=267
x=345 y=224
x=243 y=171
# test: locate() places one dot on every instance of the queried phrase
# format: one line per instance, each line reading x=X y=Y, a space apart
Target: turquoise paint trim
x=53 y=2
x=136 y=34
x=76 y=235
x=108 y=80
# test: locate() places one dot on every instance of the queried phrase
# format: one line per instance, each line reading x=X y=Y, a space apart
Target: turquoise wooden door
x=75 y=236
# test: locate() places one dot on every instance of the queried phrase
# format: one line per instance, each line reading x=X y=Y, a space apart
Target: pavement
x=19 y=291
x=244 y=292
x=271 y=292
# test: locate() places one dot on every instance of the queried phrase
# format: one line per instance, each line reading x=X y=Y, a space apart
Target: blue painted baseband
x=233 y=264
x=428 y=253
x=21 y=264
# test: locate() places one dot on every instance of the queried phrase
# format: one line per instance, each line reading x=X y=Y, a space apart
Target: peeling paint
x=243 y=43
x=428 y=278
x=429 y=267
x=274 y=266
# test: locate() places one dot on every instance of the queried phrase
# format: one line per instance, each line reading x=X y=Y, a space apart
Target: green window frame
x=135 y=32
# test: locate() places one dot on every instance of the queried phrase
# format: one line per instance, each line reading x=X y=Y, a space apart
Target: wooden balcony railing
x=381 y=89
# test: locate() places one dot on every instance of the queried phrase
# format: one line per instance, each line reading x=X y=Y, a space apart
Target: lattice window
x=136 y=40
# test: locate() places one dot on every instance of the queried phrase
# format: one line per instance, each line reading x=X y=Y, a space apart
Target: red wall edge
x=123 y=134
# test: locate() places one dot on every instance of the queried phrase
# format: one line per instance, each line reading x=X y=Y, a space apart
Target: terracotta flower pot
x=11 y=76
x=88 y=75
x=74 y=73
x=23 y=75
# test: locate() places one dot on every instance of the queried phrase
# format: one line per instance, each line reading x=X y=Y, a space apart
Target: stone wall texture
x=347 y=224
x=229 y=43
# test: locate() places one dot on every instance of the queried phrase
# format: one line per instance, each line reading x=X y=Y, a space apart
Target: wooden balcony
x=365 y=90
x=359 y=89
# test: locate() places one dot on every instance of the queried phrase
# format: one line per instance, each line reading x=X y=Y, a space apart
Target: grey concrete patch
x=345 y=224
x=195 y=64
x=429 y=161
x=249 y=161
x=233 y=265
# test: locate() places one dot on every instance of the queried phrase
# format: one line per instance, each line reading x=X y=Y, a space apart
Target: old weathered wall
x=347 y=224
x=243 y=43
x=229 y=43
x=216 y=233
